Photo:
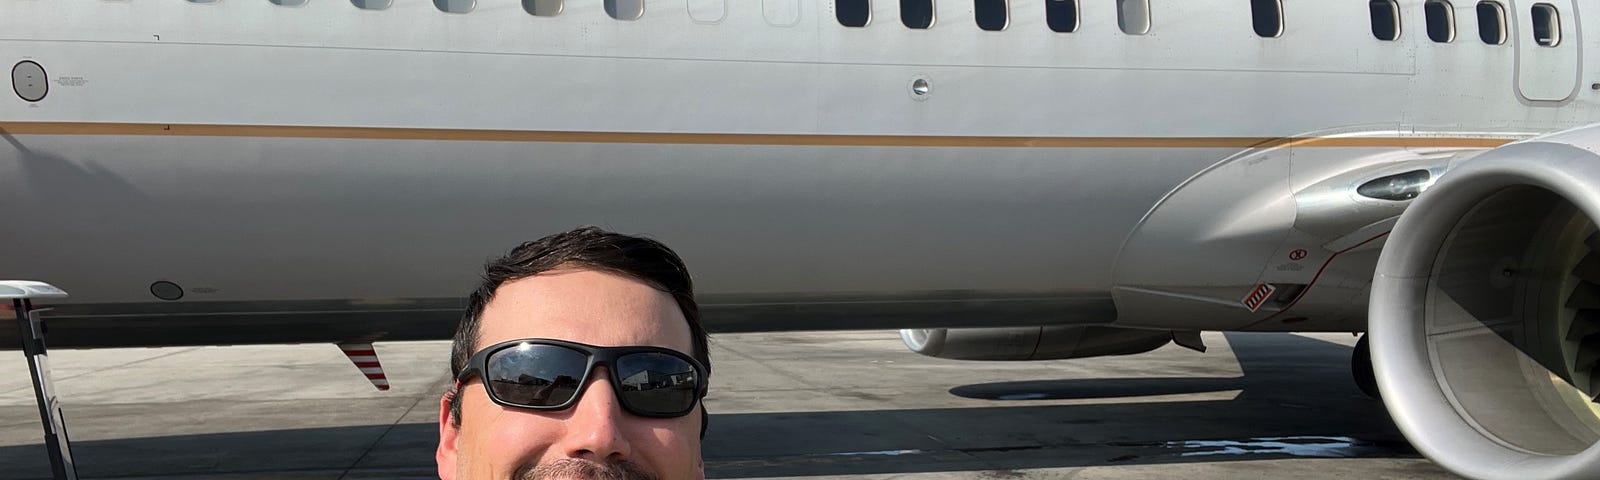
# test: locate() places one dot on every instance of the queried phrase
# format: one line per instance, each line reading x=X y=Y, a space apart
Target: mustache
x=580 y=469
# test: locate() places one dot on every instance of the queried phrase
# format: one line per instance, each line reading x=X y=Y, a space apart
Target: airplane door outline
x=1546 y=74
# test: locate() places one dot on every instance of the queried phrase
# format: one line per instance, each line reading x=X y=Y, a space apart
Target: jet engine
x=1032 y=343
x=1484 y=320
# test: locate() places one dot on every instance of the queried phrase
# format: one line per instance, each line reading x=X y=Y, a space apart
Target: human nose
x=594 y=430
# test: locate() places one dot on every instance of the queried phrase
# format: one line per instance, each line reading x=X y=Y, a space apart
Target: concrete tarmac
x=812 y=405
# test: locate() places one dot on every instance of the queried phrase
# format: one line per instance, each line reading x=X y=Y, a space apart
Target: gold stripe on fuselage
x=387 y=133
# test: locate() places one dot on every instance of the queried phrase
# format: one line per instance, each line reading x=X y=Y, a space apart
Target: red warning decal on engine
x=1259 y=296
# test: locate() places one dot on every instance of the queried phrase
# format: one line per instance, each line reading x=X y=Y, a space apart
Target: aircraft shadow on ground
x=1295 y=396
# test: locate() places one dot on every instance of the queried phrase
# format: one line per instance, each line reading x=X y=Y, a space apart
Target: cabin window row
x=1440 y=21
x=1133 y=16
x=618 y=9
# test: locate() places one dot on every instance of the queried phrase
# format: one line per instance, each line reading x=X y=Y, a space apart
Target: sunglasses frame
x=478 y=366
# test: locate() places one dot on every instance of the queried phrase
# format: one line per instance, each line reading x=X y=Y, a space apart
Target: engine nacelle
x=1484 y=320
x=1032 y=343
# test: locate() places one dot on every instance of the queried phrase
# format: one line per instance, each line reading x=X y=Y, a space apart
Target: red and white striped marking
x=366 y=359
x=1259 y=296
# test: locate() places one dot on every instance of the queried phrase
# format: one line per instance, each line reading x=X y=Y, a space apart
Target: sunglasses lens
x=657 y=383
x=535 y=375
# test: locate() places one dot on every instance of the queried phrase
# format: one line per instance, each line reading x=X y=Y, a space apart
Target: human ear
x=449 y=430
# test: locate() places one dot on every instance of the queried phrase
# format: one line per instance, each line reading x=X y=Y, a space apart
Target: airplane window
x=454 y=6
x=288 y=3
x=372 y=4
x=624 y=9
x=1133 y=16
x=1062 y=15
x=1441 y=20
x=1546 y=25
x=916 y=14
x=1268 y=17
x=990 y=14
x=541 y=8
x=707 y=11
x=781 y=13
x=1385 y=19
x=853 y=13
x=1492 y=22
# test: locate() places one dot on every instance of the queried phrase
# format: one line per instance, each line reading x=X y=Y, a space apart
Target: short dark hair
x=588 y=248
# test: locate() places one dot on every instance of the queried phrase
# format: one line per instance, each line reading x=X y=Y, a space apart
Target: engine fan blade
x=1588 y=269
x=1585 y=296
x=1588 y=354
x=1584 y=324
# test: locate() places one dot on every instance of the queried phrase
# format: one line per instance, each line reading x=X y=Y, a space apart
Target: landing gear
x=1361 y=369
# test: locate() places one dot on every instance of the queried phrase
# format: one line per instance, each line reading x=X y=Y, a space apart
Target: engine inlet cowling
x=1485 y=314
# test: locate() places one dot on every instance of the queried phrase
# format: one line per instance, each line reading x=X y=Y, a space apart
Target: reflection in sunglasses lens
x=657 y=383
x=535 y=375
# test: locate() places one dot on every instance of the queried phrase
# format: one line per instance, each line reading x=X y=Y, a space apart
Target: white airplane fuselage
x=246 y=171
x=320 y=161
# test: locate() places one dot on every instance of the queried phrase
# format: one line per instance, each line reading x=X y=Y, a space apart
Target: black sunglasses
x=544 y=374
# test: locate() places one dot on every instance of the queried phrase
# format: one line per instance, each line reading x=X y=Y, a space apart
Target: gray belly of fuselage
x=258 y=221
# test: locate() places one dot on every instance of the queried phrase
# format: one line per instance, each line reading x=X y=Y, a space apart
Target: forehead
x=585 y=306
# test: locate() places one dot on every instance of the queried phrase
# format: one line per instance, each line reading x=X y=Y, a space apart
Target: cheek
x=670 y=447
x=494 y=442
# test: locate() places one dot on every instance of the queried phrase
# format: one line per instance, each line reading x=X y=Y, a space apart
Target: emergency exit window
x=1546 y=25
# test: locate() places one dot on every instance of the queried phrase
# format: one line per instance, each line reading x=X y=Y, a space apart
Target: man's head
x=590 y=287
